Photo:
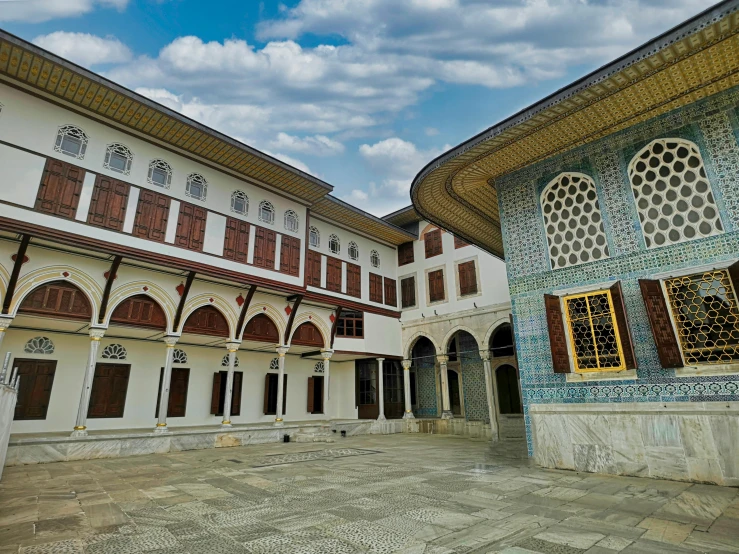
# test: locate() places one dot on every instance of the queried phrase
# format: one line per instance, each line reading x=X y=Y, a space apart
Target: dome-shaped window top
x=160 y=173
x=291 y=221
x=314 y=237
x=266 y=212
x=353 y=250
x=239 y=202
x=72 y=141
x=334 y=244
x=196 y=186
x=375 y=258
x=118 y=158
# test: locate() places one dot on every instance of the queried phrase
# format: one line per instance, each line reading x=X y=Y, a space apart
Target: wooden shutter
x=36 y=378
x=333 y=274
x=215 y=395
x=436 y=285
x=108 y=394
x=467 y=278
x=375 y=282
x=284 y=395
x=668 y=348
x=178 y=386
x=432 y=243
x=624 y=330
x=152 y=213
x=557 y=334
x=236 y=393
x=264 y=248
x=459 y=243
x=290 y=255
x=311 y=392
x=354 y=280
x=57 y=298
x=191 y=227
x=236 y=241
x=313 y=269
x=391 y=292
x=408 y=292
x=60 y=189
x=108 y=203
x=267 y=378
x=405 y=253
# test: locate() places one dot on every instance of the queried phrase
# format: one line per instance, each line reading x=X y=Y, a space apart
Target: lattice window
x=160 y=174
x=179 y=356
x=593 y=332
x=319 y=367
x=114 y=352
x=704 y=308
x=196 y=186
x=1 y=108
x=291 y=221
x=573 y=222
x=39 y=345
x=353 y=250
x=118 y=158
x=266 y=212
x=224 y=361
x=334 y=244
x=274 y=363
x=315 y=237
x=72 y=141
x=375 y=258
x=239 y=202
x=672 y=193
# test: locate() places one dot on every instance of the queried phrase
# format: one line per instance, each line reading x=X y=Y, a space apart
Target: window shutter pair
x=61 y=186
x=191 y=227
x=264 y=248
x=313 y=269
x=333 y=274
x=467 y=278
x=354 y=280
x=432 y=243
x=236 y=242
x=375 y=288
x=408 y=292
x=178 y=385
x=405 y=253
x=218 y=396
x=108 y=393
x=270 y=393
x=290 y=255
x=152 y=213
x=558 y=336
x=108 y=203
x=391 y=292
x=436 y=285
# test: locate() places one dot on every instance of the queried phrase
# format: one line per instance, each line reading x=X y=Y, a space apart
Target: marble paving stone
x=570 y=537
x=699 y=505
x=665 y=531
x=612 y=542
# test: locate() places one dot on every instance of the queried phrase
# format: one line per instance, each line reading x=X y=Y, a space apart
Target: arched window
x=239 y=202
x=672 y=193
x=334 y=244
x=72 y=141
x=353 y=250
x=114 y=352
x=179 y=356
x=314 y=237
x=375 y=258
x=291 y=221
x=224 y=361
x=196 y=186
x=118 y=158
x=266 y=212
x=572 y=219
x=39 y=345
x=274 y=364
x=160 y=173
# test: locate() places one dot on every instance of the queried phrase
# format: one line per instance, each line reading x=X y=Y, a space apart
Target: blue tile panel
x=473 y=380
x=424 y=365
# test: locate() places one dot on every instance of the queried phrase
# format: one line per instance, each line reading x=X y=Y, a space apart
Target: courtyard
x=396 y=493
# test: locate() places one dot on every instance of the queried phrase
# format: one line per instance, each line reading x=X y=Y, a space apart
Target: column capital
x=442 y=358
x=282 y=350
x=233 y=346
x=170 y=341
x=326 y=354
x=380 y=359
x=407 y=364
x=97 y=333
x=5 y=323
x=485 y=355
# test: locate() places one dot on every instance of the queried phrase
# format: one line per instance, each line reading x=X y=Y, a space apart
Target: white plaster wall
x=21 y=175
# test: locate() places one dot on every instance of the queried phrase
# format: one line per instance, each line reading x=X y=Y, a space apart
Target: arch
x=92 y=290
x=207 y=320
x=497 y=323
x=139 y=310
x=4 y=278
x=270 y=311
x=156 y=292
x=218 y=302
x=453 y=331
x=318 y=322
x=408 y=350
x=502 y=343
x=60 y=299
x=509 y=393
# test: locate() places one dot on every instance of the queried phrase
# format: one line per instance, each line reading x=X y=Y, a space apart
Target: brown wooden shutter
x=375 y=287
x=436 y=285
x=467 y=278
x=236 y=393
x=290 y=255
x=191 y=227
x=266 y=392
x=60 y=189
x=313 y=268
x=557 y=334
x=432 y=243
x=459 y=243
x=668 y=348
x=284 y=395
x=405 y=253
x=408 y=292
x=215 y=395
x=311 y=392
x=108 y=393
x=624 y=330
x=152 y=213
x=391 y=292
x=178 y=392
x=264 y=248
x=36 y=378
x=108 y=203
x=354 y=280
x=333 y=274
x=236 y=241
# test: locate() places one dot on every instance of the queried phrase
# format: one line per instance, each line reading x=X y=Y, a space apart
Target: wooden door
x=366 y=383
x=315 y=395
x=108 y=204
x=393 y=389
x=34 y=389
x=177 y=391
x=109 y=388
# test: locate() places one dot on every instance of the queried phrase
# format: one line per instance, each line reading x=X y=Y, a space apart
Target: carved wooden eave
x=692 y=61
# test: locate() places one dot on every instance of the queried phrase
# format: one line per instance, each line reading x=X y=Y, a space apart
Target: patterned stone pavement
x=374 y=494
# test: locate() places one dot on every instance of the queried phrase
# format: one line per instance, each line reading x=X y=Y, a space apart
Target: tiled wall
x=473 y=380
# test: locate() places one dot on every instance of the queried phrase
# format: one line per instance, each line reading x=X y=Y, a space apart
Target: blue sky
x=361 y=93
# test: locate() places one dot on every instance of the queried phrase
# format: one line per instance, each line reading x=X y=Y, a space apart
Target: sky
x=360 y=93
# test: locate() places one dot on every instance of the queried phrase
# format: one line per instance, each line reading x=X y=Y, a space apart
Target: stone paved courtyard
x=398 y=493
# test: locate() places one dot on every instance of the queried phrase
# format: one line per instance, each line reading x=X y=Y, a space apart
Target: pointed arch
x=216 y=301
x=271 y=312
x=489 y=334
x=317 y=321
x=408 y=350
x=453 y=331
x=157 y=293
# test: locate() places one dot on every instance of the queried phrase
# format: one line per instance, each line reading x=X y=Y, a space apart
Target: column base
x=409 y=415
x=381 y=417
x=226 y=425
x=279 y=423
x=161 y=429
x=79 y=432
x=447 y=415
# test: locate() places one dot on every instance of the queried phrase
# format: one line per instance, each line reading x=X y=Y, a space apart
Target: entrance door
x=366 y=391
x=34 y=389
x=509 y=399
x=315 y=395
x=455 y=396
x=394 y=393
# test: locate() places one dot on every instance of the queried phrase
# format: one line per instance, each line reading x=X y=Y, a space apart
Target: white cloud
x=431 y=131
x=84 y=48
x=317 y=145
x=36 y=11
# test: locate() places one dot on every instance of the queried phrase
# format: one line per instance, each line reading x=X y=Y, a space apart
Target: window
x=408 y=292
x=391 y=292
x=114 y=352
x=315 y=237
x=160 y=174
x=239 y=202
x=60 y=190
x=266 y=212
x=353 y=250
x=350 y=325
x=432 y=243
x=108 y=392
x=354 y=280
x=118 y=158
x=375 y=287
x=274 y=364
x=672 y=193
x=334 y=244
x=224 y=361
x=291 y=221
x=179 y=356
x=375 y=258
x=573 y=222
x=72 y=141
x=405 y=253
x=333 y=274
x=467 y=278
x=436 y=286
x=459 y=243
x=36 y=378
x=39 y=345
x=319 y=367
x=196 y=186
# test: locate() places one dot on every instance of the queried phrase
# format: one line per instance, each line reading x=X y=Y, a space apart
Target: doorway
x=509 y=398
x=366 y=392
x=315 y=395
x=394 y=391
x=455 y=392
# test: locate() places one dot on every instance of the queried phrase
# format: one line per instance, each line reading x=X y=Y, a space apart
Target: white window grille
x=274 y=363
x=672 y=193
x=179 y=356
x=353 y=250
x=375 y=258
x=319 y=367
x=196 y=186
x=118 y=158
x=39 y=345
x=224 y=361
x=72 y=141
x=291 y=221
x=160 y=173
x=334 y=244
x=266 y=212
x=239 y=202
x=114 y=352
x=314 y=237
x=573 y=221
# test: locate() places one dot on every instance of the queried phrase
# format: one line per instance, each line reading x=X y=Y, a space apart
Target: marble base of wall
x=460 y=427
x=684 y=441
x=8 y=398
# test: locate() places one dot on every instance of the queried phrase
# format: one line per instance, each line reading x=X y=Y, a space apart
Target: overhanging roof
x=692 y=61
x=403 y=216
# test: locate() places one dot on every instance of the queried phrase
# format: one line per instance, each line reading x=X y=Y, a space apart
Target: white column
x=407 y=389
x=80 y=429
x=492 y=411
x=380 y=389
x=166 y=380
x=4 y=324
x=446 y=410
x=326 y=355
x=232 y=348
x=281 y=351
